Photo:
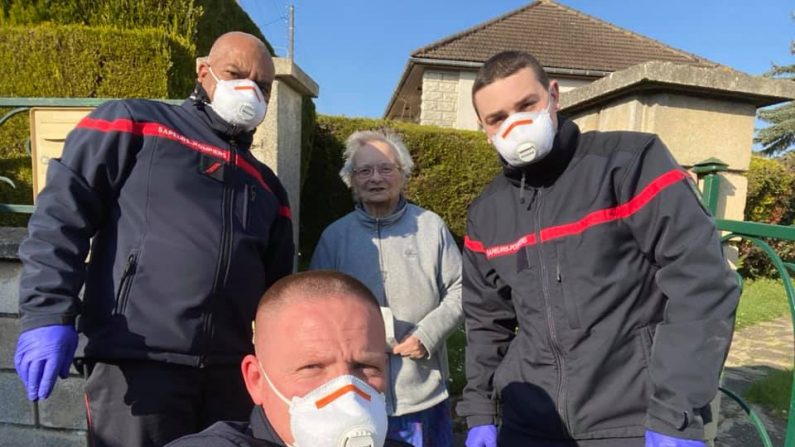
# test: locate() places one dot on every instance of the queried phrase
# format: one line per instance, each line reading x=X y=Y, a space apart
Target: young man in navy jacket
x=599 y=307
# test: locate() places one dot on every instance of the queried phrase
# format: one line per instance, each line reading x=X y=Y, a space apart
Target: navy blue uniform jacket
x=186 y=228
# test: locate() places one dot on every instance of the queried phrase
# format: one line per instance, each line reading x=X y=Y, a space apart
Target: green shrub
x=197 y=23
x=451 y=168
x=770 y=199
x=81 y=61
x=179 y=18
x=221 y=16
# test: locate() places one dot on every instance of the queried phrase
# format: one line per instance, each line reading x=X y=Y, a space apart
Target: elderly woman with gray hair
x=409 y=260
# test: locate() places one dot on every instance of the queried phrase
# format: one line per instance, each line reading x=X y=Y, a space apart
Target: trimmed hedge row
x=451 y=168
x=197 y=23
x=80 y=61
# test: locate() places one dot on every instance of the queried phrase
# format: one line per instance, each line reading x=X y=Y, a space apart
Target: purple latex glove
x=42 y=353
x=482 y=436
x=654 y=439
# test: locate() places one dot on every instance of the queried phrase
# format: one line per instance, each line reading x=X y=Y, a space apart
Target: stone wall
x=57 y=421
x=439 y=98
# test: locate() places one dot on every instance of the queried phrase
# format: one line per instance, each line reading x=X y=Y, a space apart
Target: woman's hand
x=410 y=347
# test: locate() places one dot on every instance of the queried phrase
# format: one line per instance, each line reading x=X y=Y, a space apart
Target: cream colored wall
x=277 y=143
x=465 y=116
x=439 y=98
x=693 y=128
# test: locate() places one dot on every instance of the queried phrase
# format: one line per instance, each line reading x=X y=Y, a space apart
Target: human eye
x=527 y=106
x=495 y=121
x=364 y=171
x=386 y=169
x=369 y=370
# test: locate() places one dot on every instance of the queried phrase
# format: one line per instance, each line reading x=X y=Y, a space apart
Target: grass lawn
x=762 y=300
x=765 y=300
x=772 y=392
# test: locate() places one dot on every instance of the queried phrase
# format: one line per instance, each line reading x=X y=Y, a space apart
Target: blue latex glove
x=42 y=353
x=654 y=439
x=482 y=436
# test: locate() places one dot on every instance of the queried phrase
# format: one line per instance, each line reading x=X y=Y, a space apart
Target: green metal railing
x=709 y=173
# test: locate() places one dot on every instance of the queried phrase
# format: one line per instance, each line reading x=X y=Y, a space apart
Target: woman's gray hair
x=359 y=139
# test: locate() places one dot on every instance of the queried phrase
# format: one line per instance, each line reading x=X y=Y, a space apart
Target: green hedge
x=221 y=16
x=197 y=23
x=452 y=168
x=771 y=199
x=80 y=61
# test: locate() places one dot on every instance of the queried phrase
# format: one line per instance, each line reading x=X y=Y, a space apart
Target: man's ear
x=554 y=90
x=252 y=376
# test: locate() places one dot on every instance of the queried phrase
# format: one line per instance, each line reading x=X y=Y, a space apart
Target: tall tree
x=779 y=137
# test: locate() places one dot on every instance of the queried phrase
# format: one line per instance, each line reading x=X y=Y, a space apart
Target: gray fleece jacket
x=412 y=265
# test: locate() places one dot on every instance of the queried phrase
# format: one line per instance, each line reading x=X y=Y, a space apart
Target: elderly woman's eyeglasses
x=384 y=170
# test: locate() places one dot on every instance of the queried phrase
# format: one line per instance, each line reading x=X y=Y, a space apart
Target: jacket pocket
x=125 y=283
x=569 y=303
x=255 y=211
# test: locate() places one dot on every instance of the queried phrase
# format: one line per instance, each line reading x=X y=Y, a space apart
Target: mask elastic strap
x=281 y=396
x=213 y=74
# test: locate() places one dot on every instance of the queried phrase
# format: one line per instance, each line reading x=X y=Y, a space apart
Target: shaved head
x=310 y=328
x=309 y=286
x=237 y=55
x=237 y=41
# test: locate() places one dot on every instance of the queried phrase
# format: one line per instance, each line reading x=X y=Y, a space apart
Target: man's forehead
x=504 y=92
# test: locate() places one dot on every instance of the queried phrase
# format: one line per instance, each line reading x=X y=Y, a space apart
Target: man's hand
x=410 y=347
x=42 y=353
x=654 y=439
x=482 y=436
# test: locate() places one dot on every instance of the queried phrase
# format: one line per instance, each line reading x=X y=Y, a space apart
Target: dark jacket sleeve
x=691 y=342
x=74 y=204
x=280 y=256
x=490 y=326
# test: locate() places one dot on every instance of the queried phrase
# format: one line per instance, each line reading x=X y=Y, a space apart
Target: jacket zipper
x=560 y=362
x=125 y=283
x=222 y=271
x=391 y=395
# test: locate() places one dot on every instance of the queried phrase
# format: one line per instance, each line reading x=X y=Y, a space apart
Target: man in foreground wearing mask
x=599 y=307
x=318 y=373
x=186 y=229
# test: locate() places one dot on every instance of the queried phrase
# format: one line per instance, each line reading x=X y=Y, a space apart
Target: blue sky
x=357 y=49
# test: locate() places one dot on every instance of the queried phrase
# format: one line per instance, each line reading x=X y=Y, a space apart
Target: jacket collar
x=546 y=171
x=261 y=427
x=198 y=105
x=370 y=221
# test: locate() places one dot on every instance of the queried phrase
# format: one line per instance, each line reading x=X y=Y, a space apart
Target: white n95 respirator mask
x=239 y=102
x=525 y=137
x=344 y=412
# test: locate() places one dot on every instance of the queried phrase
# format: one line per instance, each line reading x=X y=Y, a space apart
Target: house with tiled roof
x=574 y=48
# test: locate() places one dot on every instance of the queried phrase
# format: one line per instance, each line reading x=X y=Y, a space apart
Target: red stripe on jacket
x=591 y=220
x=162 y=131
